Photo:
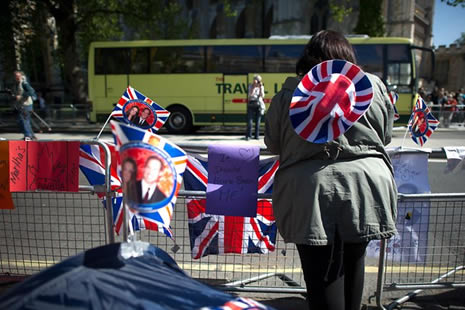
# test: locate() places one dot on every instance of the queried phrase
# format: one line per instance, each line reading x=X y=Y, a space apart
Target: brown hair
x=325 y=45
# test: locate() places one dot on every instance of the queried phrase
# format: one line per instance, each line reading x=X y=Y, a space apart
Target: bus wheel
x=180 y=120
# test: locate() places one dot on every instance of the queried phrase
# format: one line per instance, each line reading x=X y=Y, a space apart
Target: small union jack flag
x=393 y=96
x=217 y=234
x=133 y=97
x=422 y=123
x=240 y=303
x=92 y=165
x=331 y=97
x=159 y=219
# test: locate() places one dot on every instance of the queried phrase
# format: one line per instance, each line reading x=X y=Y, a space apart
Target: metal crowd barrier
x=47 y=227
x=433 y=257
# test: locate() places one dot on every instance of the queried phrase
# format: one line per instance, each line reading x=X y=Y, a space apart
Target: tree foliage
x=370 y=20
x=156 y=19
x=340 y=11
x=79 y=22
x=455 y=2
x=461 y=40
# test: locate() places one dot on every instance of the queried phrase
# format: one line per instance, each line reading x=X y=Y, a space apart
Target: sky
x=448 y=23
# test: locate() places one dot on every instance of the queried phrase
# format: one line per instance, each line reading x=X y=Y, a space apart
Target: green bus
x=204 y=82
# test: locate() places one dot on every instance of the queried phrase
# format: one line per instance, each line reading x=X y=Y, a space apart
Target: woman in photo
x=129 y=179
x=133 y=115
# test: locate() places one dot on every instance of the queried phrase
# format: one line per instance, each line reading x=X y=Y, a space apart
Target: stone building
x=261 y=18
x=450 y=67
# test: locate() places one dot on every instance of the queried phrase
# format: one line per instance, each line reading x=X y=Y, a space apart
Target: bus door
x=112 y=69
x=115 y=86
x=235 y=88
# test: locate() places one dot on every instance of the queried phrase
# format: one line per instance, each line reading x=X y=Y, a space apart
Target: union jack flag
x=393 y=96
x=92 y=165
x=240 y=303
x=133 y=95
x=331 y=97
x=217 y=234
x=160 y=219
x=422 y=123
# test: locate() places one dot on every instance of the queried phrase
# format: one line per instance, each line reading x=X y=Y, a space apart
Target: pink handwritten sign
x=44 y=166
x=5 y=196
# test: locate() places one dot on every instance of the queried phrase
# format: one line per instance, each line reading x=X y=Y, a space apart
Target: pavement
x=428 y=299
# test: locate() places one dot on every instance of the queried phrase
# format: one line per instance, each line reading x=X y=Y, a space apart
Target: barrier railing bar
x=203 y=194
x=253 y=289
x=107 y=189
x=429 y=196
x=407 y=297
x=287 y=280
x=424 y=286
x=380 y=282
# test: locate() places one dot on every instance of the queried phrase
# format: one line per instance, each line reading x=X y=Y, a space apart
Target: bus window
x=171 y=59
x=370 y=58
x=192 y=59
x=234 y=59
x=111 y=61
x=99 y=65
x=399 y=66
x=398 y=53
x=399 y=74
x=282 y=58
x=139 y=60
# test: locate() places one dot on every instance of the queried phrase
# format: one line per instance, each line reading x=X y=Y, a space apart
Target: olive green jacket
x=345 y=186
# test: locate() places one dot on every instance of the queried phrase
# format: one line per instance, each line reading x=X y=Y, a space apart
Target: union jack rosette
x=331 y=97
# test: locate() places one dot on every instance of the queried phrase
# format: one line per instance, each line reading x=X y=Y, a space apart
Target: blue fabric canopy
x=102 y=278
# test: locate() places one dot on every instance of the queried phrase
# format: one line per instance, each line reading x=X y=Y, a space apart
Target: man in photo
x=147 y=189
x=143 y=118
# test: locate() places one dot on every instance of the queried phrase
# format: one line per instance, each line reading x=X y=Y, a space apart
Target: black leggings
x=334 y=274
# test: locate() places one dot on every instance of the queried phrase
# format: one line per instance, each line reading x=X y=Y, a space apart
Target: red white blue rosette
x=330 y=98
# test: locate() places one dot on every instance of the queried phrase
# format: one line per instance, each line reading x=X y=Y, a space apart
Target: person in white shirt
x=255 y=106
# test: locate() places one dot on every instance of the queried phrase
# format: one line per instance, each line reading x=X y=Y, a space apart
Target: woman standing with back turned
x=334 y=190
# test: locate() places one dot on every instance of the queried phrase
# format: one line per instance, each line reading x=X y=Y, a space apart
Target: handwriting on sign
x=17 y=163
x=5 y=196
x=49 y=166
x=48 y=172
x=232 y=184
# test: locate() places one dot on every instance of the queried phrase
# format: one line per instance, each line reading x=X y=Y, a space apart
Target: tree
x=370 y=20
x=161 y=20
x=455 y=2
x=7 y=45
x=78 y=23
x=461 y=40
x=339 y=12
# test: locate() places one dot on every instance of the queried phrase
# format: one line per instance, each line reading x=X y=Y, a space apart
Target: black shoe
x=247 y=138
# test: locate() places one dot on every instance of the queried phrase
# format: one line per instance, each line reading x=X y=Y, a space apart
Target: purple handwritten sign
x=232 y=180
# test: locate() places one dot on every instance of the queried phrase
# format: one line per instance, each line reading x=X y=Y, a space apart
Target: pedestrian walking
x=24 y=96
x=334 y=190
